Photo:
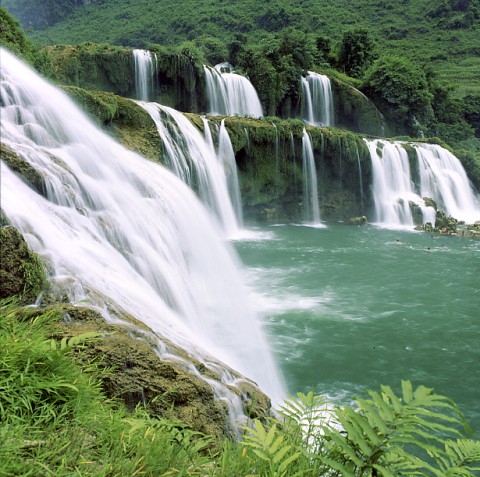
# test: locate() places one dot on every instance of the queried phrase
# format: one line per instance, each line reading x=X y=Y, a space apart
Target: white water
x=317 y=107
x=442 y=178
x=118 y=231
x=145 y=73
x=226 y=155
x=310 y=188
x=193 y=159
x=230 y=94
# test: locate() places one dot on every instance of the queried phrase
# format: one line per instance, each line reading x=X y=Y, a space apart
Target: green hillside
x=442 y=34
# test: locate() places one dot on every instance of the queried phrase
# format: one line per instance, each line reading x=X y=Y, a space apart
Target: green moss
x=354 y=111
x=135 y=129
x=28 y=173
x=123 y=118
x=100 y=105
x=22 y=274
x=96 y=67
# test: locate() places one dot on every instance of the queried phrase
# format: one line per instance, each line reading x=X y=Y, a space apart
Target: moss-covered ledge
x=22 y=274
x=121 y=117
x=138 y=372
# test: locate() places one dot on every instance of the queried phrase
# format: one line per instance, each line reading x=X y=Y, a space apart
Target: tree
x=400 y=90
x=357 y=52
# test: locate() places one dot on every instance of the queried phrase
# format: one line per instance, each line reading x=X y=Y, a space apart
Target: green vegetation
x=56 y=420
x=441 y=33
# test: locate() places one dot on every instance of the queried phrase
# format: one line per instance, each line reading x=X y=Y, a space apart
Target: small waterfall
x=120 y=232
x=442 y=178
x=317 y=107
x=146 y=76
x=360 y=180
x=230 y=94
x=310 y=189
x=226 y=155
x=192 y=158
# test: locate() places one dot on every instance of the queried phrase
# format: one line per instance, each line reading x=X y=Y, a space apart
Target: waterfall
x=360 y=180
x=146 y=76
x=230 y=94
x=120 y=232
x=226 y=156
x=192 y=158
x=441 y=177
x=317 y=106
x=310 y=189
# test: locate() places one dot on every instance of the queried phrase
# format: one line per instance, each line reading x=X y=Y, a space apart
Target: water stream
x=118 y=231
x=317 y=106
x=230 y=94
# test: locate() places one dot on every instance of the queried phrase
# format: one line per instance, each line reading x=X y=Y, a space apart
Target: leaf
x=407 y=391
x=283 y=466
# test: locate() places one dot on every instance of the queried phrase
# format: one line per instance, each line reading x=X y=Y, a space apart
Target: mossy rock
x=354 y=111
x=135 y=373
x=121 y=117
x=100 y=105
x=95 y=67
x=22 y=274
x=22 y=168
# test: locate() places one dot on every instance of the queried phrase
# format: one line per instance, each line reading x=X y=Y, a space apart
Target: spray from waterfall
x=120 y=232
x=317 y=106
x=230 y=94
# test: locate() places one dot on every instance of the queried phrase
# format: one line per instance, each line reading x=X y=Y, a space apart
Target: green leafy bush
x=401 y=91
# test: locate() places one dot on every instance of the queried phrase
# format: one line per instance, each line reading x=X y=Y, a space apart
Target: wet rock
x=141 y=368
x=22 y=168
x=21 y=272
x=360 y=220
x=429 y=202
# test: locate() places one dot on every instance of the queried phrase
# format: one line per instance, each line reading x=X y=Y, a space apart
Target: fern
x=271 y=447
x=376 y=437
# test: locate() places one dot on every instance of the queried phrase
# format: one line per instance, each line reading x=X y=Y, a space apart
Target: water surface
x=351 y=308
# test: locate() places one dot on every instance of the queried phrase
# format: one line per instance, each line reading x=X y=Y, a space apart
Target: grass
x=56 y=421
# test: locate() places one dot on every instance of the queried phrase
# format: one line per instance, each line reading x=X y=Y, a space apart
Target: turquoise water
x=350 y=308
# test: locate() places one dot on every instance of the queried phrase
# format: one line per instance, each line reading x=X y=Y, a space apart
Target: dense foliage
x=55 y=420
x=443 y=33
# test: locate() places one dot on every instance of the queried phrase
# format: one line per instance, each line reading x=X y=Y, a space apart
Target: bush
x=400 y=90
x=357 y=52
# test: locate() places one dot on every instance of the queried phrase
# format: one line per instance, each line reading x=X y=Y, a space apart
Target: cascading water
x=317 y=106
x=145 y=74
x=310 y=188
x=442 y=178
x=226 y=155
x=193 y=159
x=118 y=231
x=230 y=94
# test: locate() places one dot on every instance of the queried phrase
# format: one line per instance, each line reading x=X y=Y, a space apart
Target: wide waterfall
x=440 y=176
x=193 y=159
x=310 y=188
x=230 y=94
x=317 y=106
x=145 y=73
x=120 y=232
